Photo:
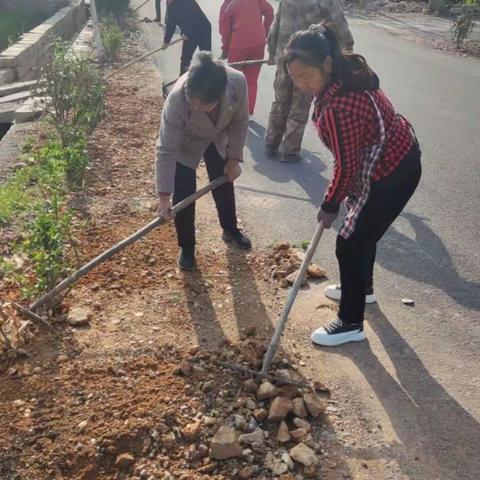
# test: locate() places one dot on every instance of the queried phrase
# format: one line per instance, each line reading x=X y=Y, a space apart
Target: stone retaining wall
x=19 y=62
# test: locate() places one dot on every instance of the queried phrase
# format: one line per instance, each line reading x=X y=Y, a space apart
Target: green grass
x=13 y=24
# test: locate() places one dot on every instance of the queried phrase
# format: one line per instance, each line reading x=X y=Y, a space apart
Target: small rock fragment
x=266 y=391
x=301 y=423
x=279 y=409
x=78 y=317
x=257 y=436
x=283 y=435
x=298 y=433
x=408 y=301
x=298 y=408
x=225 y=444
x=246 y=472
x=315 y=271
x=260 y=414
x=192 y=430
x=286 y=458
x=304 y=455
x=314 y=405
x=250 y=385
x=124 y=461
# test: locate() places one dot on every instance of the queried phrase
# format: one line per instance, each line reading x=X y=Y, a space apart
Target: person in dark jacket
x=377 y=166
x=194 y=25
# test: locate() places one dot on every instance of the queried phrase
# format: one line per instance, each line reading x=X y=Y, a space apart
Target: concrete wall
x=48 y=7
x=34 y=48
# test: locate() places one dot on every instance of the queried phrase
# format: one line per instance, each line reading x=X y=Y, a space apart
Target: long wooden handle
x=282 y=322
x=142 y=57
x=125 y=243
x=139 y=7
x=246 y=63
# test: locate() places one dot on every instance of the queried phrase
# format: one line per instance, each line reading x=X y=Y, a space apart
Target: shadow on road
x=427 y=260
x=306 y=173
x=430 y=423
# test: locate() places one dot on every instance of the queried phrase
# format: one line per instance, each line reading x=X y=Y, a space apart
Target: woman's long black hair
x=314 y=45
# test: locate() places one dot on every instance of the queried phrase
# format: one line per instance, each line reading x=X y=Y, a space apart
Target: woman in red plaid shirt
x=376 y=166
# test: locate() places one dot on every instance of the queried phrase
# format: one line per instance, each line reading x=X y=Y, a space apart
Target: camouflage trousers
x=288 y=115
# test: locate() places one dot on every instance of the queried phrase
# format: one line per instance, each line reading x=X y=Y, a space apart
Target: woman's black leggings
x=356 y=255
x=224 y=197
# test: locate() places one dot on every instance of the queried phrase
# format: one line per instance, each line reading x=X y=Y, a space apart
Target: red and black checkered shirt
x=348 y=124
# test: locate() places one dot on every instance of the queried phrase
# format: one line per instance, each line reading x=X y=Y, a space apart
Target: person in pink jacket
x=244 y=26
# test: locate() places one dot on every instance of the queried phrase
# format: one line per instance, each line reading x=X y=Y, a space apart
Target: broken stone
x=287 y=459
x=260 y=414
x=168 y=440
x=279 y=467
x=78 y=317
x=314 y=405
x=283 y=435
x=250 y=385
x=408 y=301
x=298 y=408
x=225 y=444
x=293 y=276
x=246 y=472
x=279 y=408
x=286 y=476
x=124 y=461
x=301 y=423
x=266 y=391
x=304 y=455
x=82 y=426
x=192 y=430
x=298 y=433
x=315 y=271
x=257 y=436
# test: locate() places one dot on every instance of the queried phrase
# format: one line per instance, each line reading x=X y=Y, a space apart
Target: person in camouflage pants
x=290 y=108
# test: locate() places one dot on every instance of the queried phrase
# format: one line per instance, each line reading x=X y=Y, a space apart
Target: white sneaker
x=334 y=292
x=336 y=333
x=250 y=118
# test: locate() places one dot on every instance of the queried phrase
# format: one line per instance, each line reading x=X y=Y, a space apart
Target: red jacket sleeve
x=343 y=134
x=225 y=25
x=268 y=14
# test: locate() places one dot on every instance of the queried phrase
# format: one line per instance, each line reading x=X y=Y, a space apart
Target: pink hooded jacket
x=245 y=23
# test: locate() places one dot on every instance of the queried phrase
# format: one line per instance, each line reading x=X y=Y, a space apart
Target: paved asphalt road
x=431 y=254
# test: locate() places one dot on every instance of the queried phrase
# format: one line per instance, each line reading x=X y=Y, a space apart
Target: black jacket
x=187 y=15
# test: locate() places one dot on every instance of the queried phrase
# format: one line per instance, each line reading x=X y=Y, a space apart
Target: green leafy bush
x=112 y=38
x=47 y=236
x=75 y=90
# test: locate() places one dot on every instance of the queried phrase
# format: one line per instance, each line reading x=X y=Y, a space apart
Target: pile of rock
x=283 y=262
x=272 y=431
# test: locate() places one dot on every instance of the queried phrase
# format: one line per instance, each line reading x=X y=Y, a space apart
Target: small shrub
x=465 y=22
x=47 y=237
x=75 y=88
x=112 y=38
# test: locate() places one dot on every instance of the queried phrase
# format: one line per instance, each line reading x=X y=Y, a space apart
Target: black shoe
x=238 y=238
x=157 y=20
x=186 y=261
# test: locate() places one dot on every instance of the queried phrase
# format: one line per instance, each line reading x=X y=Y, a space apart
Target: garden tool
x=120 y=246
x=143 y=57
x=282 y=322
